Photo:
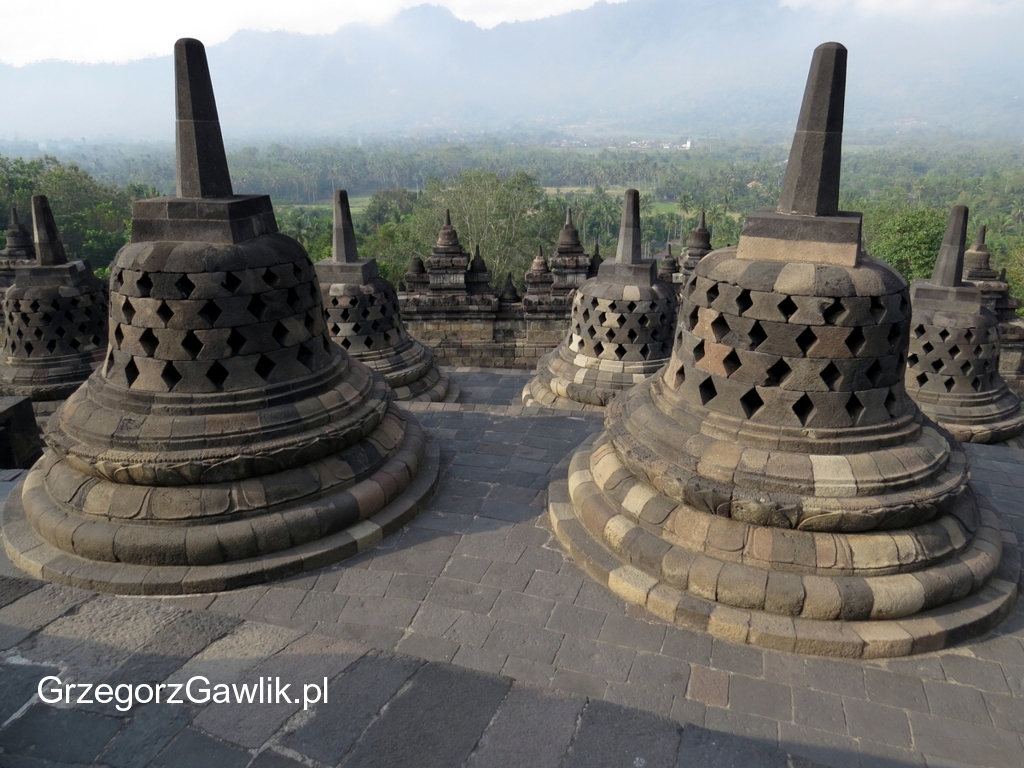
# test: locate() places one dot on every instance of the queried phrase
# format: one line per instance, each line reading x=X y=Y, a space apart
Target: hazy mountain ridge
x=654 y=67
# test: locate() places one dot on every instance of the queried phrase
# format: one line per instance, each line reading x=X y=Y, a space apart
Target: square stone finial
x=202 y=165
x=345 y=251
x=811 y=185
x=49 y=248
x=949 y=264
x=630 y=251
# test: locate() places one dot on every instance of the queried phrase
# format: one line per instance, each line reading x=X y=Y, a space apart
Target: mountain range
x=666 y=68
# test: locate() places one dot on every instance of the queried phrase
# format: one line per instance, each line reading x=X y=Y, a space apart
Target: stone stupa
x=775 y=485
x=995 y=294
x=953 y=361
x=620 y=331
x=697 y=247
x=56 y=317
x=18 y=251
x=226 y=440
x=363 y=317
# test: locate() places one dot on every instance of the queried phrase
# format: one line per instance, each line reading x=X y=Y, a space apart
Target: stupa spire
x=950 y=262
x=344 y=247
x=202 y=164
x=811 y=186
x=629 y=250
x=49 y=248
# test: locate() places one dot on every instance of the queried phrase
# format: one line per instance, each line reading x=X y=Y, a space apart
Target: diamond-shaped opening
x=834 y=311
x=965 y=368
x=855 y=408
x=895 y=337
x=806 y=340
x=720 y=327
x=305 y=357
x=365 y=313
x=778 y=372
x=217 y=374
x=712 y=293
x=969 y=336
x=757 y=335
x=61 y=331
x=632 y=335
x=976 y=383
x=707 y=391
x=631 y=307
x=948 y=384
x=613 y=307
x=270 y=277
x=170 y=375
x=919 y=331
x=855 y=341
x=830 y=374
x=127 y=310
x=296 y=271
x=257 y=307
x=310 y=323
x=144 y=284
x=620 y=320
x=743 y=301
x=293 y=300
x=118 y=335
x=788 y=307
x=922 y=379
x=119 y=279
x=644 y=321
x=344 y=315
x=357 y=328
x=927 y=348
x=874 y=373
x=46 y=318
x=598 y=348
x=192 y=345
x=131 y=372
x=804 y=409
x=264 y=367
x=731 y=363
x=936 y=365
x=164 y=312
x=698 y=351
x=591 y=331
x=751 y=403
x=891 y=404
x=645 y=351
x=37 y=332
x=593 y=303
x=184 y=286
x=679 y=377
x=369 y=342
x=954 y=351
x=28 y=347
x=944 y=334
x=149 y=342
x=620 y=351
x=346 y=343
x=280 y=333
x=69 y=315
x=51 y=345
x=236 y=341
x=586 y=315
x=230 y=282
x=693 y=318
x=877 y=309
x=601 y=318
x=34 y=306
x=210 y=312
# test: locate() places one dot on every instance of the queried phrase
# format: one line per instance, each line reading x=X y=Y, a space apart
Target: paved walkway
x=477 y=588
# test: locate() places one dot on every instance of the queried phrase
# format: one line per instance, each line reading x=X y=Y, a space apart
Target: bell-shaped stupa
x=697 y=247
x=953 y=361
x=363 y=317
x=225 y=440
x=620 y=331
x=775 y=485
x=56 y=318
x=18 y=251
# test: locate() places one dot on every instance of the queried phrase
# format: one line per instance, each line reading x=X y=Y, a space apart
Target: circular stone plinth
x=640 y=567
x=42 y=560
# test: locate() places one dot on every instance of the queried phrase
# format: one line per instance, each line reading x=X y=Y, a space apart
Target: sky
x=124 y=30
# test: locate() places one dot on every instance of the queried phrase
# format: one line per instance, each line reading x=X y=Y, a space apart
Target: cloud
x=125 y=30
x=918 y=8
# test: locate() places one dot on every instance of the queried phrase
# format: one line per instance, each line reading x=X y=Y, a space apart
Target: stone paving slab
x=478 y=585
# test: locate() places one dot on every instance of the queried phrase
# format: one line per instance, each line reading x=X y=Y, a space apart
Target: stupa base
x=629 y=574
x=538 y=394
x=39 y=559
x=433 y=387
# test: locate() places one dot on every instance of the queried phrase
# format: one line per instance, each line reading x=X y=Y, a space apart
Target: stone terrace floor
x=469 y=638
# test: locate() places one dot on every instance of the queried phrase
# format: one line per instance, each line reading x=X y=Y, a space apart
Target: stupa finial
x=629 y=250
x=950 y=262
x=811 y=186
x=345 y=250
x=201 y=160
x=49 y=248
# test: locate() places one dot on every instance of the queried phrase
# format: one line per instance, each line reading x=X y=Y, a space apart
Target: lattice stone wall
x=621 y=329
x=215 y=331
x=792 y=360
